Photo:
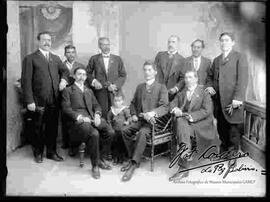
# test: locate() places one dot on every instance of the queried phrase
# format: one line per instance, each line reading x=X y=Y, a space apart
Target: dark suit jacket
x=74 y=103
x=71 y=71
x=116 y=70
x=229 y=78
x=159 y=99
x=203 y=69
x=116 y=75
x=176 y=75
x=201 y=110
x=36 y=75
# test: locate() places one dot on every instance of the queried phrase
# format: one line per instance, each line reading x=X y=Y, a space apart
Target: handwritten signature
x=216 y=159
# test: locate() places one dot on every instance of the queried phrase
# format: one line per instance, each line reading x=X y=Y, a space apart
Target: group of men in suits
x=191 y=89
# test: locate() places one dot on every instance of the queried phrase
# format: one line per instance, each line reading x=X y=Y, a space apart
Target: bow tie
x=106 y=56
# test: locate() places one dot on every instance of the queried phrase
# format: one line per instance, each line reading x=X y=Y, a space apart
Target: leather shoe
x=104 y=166
x=55 y=157
x=126 y=167
x=179 y=175
x=65 y=146
x=95 y=172
x=71 y=152
x=107 y=157
x=39 y=158
x=128 y=174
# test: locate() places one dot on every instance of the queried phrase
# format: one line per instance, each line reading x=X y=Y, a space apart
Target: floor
x=27 y=178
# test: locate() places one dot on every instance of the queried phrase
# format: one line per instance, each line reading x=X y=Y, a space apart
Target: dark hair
x=230 y=34
x=177 y=37
x=41 y=33
x=194 y=72
x=199 y=40
x=150 y=62
x=102 y=38
x=77 y=68
x=69 y=47
x=119 y=94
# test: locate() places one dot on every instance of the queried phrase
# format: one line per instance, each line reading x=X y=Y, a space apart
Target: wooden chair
x=161 y=133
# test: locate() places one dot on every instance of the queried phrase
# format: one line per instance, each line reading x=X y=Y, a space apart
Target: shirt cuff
x=177 y=89
x=98 y=112
x=94 y=80
x=78 y=117
x=152 y=114
x=64 y=80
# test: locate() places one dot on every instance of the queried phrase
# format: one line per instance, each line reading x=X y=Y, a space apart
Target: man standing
x=227 y=81
x=71 y=64
x=197 y=62
x=150 y=101
x=41 y=74
x=84 y=113
x=106 y=74
x=170 y=67
x=193 y=110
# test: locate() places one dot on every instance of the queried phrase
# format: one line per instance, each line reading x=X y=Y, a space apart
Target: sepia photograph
x=135 y=99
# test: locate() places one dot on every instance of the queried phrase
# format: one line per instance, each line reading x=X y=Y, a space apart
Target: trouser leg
x=51 y=128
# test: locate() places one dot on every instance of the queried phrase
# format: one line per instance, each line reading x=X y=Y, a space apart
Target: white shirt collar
x=174 y=52
x=106 y=54
x=198 y=58
x=192 y=88
x=226 y=53
x=80 y=86
x=116 y=111
x=71 y=64
x=44 y=52
x=150 y=82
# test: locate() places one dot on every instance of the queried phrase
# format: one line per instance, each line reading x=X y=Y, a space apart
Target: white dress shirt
x=106 y=61
x=80 y=86
x=226 y=53
x=150 y=82
x=45 y=53
x=190 y=91
x=69 y=65
x=197 y=62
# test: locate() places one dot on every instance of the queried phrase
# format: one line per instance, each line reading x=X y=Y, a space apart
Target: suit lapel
x=228 y=58
x=174 y=64
x=165 y=58
x=38 y=52
x=88 y=100
x=184 y=97
x=102 y=65
x=110 y=65
x=194 y=96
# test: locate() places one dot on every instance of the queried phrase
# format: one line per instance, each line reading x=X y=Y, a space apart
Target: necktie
x=47 y=56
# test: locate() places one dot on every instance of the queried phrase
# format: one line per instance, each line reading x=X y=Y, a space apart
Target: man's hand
x=97 y=85
x=62 y=84
x=173 y=91
x=177 y=112
x=210 y=90
x=86 y=119
x=134 y=118
x=112 y=87
x=31 y=107
x=236 y=103
x=97 y=120
x=150 y=117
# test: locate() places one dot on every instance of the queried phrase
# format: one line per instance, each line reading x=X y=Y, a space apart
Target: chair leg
x=152 y=157
x=81 y=152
